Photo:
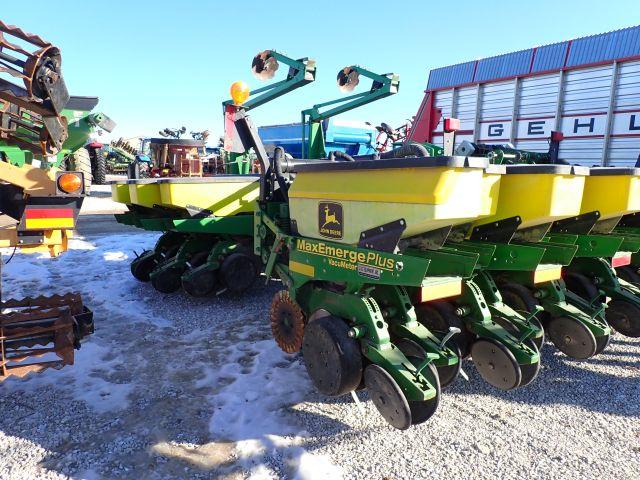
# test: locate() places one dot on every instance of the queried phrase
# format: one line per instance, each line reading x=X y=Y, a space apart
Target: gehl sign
x=578 y=126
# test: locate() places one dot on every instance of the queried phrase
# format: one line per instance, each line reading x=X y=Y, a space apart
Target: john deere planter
x=603 y=248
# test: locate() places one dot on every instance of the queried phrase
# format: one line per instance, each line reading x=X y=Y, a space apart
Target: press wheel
x=238 y=272
x=624 y=317
x=629 y=274
x=530 y=371
x=333 y=359
x=438 y=317
x=582 y=286
x=572 y=337
x=602 y=342
x=496 y=364
x=387 y=396
x=521 y=299
x=167 y=280
x=142 y=266
x=414 y=352
x=203 y=282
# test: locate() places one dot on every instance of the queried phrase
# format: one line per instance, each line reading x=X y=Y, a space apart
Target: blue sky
x=157 y=64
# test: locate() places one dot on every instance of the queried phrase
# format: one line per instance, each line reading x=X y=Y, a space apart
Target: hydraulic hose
x=278 y=155
x=408 y=150
x=333 y=155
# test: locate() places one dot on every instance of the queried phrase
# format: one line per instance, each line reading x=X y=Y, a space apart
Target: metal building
x=588 y=88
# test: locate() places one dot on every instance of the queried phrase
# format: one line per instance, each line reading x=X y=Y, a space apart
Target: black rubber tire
x=423 y=411
x=582 y=286
x=439 y=316
x=521 y=299
x=98 y=167
x=168 y=280
x=238 y=273
x=504 y=364
x=80 y=161
x=624 y=317
x=387 y=396
x=142 y=266
x=333 y=359
x=531 y=370
x=415 y=353
x=581 y=346
x=602 y=342
x=629 y=273
x=202 y=283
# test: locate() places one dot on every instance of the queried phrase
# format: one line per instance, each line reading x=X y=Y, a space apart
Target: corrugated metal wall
x=596 y=107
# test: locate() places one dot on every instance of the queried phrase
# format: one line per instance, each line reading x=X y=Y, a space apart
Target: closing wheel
x=522 y=300
x=287 y=322
x=496 y=364
x=582 y=286
x=387 y=396
x=572 y=337
x=142 y=266
x=530 y=371
x=629 y=274
x=624 y=317
x=421 y=411
x=439 y=316
x=238 y=272
x=602 y=342
x=332 y=358
x=414 y=352
x=203 y=282
x=167 y=280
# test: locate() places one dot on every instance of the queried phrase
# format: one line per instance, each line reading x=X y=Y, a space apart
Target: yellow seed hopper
x=612 y=191
x=222 y=195
x=539 y=194
x=340 y=200
x=120 y=191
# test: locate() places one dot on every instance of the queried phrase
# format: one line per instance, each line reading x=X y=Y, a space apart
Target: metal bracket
x=501 y=231
x=384 y=238
x=581 y=224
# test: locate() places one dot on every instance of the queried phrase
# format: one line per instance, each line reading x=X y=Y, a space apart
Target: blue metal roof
x=508 y=65
x=550 y=57
x=603 y=47
x=453 y=75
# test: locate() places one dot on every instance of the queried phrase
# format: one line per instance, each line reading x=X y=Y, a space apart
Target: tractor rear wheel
x=80 y=161
x=98 y=166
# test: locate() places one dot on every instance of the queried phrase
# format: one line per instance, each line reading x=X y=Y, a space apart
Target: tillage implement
x=38 y=206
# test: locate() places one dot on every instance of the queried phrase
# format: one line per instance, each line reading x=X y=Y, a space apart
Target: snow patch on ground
x=251 y=411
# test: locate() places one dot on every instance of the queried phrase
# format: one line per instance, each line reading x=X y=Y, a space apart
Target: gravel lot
x=171 y=387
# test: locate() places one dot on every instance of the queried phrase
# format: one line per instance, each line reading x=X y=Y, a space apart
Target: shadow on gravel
x=563 y=381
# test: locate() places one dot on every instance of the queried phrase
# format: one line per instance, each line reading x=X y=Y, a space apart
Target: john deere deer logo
x=330 y=219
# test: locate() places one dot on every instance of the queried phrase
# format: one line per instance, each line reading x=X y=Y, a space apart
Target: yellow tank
x=539 y=194
x=612 y=191
x=120 y=191
x=340 y=200
x=145 y=192
x=222 y=195
x=491 y=189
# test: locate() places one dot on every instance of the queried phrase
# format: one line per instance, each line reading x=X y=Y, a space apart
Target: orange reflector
x=239 y=92
x=547 y=274
x=440 y=289
x=621 y=259
x=69 y=182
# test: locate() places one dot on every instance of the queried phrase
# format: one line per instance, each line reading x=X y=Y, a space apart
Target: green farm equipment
x=313 y=142
x=78 y=151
